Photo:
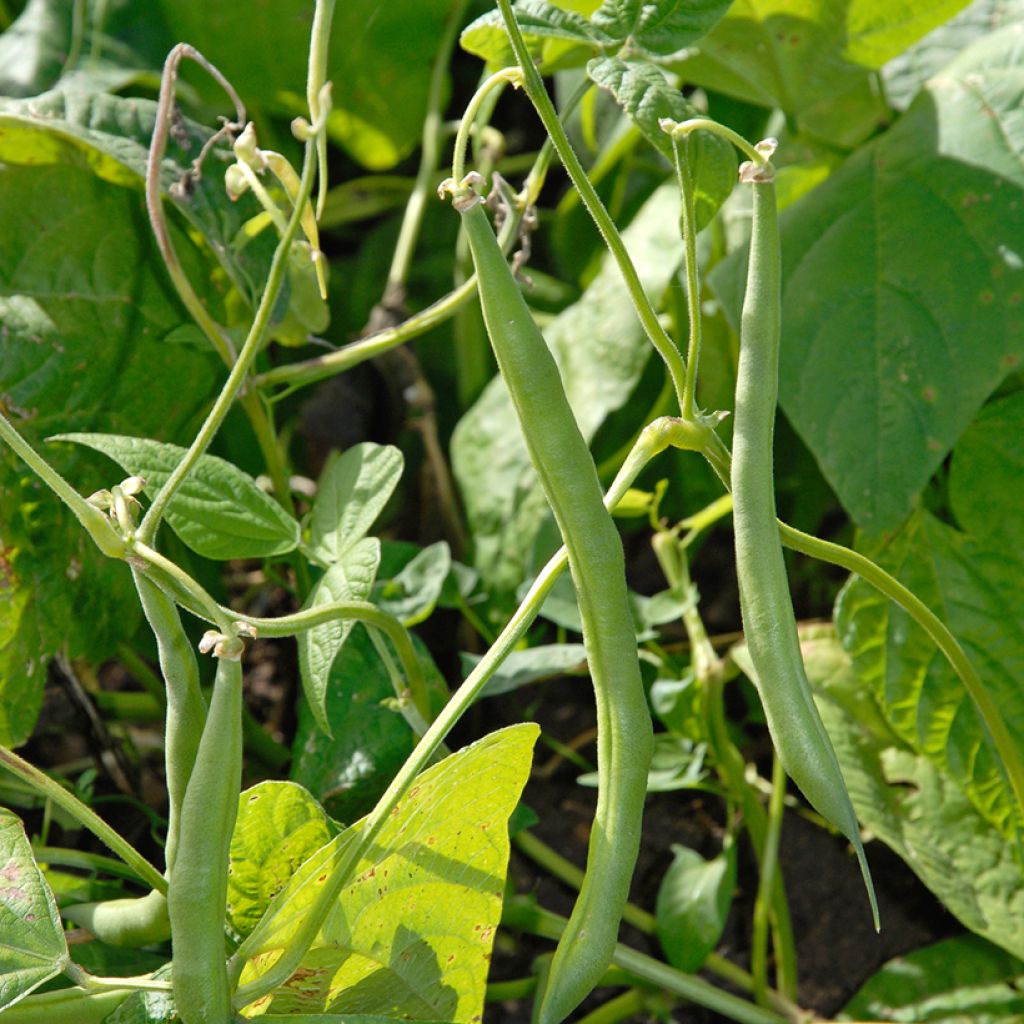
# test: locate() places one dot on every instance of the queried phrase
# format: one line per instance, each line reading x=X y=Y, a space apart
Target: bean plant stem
x=525 y=916
x=93 y=983
x=316 y=78
x=769 y=862
x=625 y=1006
x=538 y=95
x=430 y=156
x=688 y=223
x=240 y=369
x=84 y=815
x=83 y=860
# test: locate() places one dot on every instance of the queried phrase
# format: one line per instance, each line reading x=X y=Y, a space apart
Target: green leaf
x=912 y=805
x=380 y=61
x=601 y=351
x=520 y=668
x=976 y=590
x=678 y=703
x=895 y=335
x=279 y=825
x=775 y=54
x=350 y=579
x=331 y=1018
x=905 y=74
x=952 y=982
x=693 y=903
x=348 y=768
x=988 y=465
x=354 y=488
x=219 y=511
x=412 y=595
x=643 y=92
x=412 y=932
x=556 y=38
x=658 y=29
x=33 y=948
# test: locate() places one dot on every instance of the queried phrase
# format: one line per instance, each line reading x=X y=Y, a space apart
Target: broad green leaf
x=960 y=980
x=976 y=591
x=348 y=768
x=411 y=934
x=110 y=136
x=380 y=61
x=520 y=668
x=219 y=511
x=988 y=467
x=893 y=335
x=905 y=74
x=84 y=311
x=793 y=55
x=601 y=351
x=33 y=949
x=659 y=29
x=913 y=806
x=412 y=595
x=693 y=903
x=556 y=38
x=642 y=90
x=279 y=825
x=350 y=579
x=353 y=490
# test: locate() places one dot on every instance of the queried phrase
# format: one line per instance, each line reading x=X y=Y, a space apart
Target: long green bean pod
x=570 y=482
x=197 y=896
x=139 y=922
x=769 y=623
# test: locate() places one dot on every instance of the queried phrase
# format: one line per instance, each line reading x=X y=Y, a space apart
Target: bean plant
x=369 y=884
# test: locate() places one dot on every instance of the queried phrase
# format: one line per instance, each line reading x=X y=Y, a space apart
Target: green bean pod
x=769 y=622
x=142 y=921
x=198 y=885
x=569 y=478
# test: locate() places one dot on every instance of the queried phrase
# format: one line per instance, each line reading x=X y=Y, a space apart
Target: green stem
x=96 y=524
x=92 y=983
x=316 y=78
x=66 y=1006
x=538 y=95
x=524 y=916
x=84 y=815
x=688 y=223
x=766 y=885
x=498 y=80
x=184 y=589
x=430 y=155
x=502 y=991
x=142 y=673
x=680 y=130
x=250 y=348
x=835 y=554
x=84 y=860
x=653 y=440
x=622 y=1007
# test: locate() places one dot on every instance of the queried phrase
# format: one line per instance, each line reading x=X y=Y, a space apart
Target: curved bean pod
x=566 y=470
x=769 y=623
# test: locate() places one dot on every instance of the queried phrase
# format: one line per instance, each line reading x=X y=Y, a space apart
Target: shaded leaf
x=350 y=579
x=952 y=982
x=776 y=54
x=642 y=90
x=412 y=595
x=348 y=768
x=976 y=592
x=520 y=668
x=219 y=511
x=411 y=934
x=146 y=1007
x=380 y=61
x=354 y=487
x=894 y=336
x=33 y=949
x=914 y=807
x=692 y=905
x=987 y=470
x=34 y=48
x=658 y=29
x=279 y=825
x=601 y=351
